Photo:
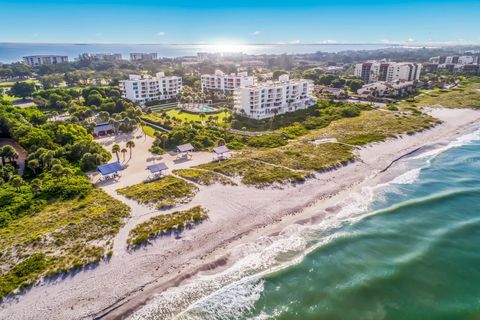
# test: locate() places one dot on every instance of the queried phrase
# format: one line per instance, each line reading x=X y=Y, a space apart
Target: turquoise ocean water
x=406 y=249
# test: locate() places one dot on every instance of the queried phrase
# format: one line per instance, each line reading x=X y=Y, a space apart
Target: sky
x=240 y=22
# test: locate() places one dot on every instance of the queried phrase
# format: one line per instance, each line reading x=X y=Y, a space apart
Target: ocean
x=11 y=52
x=404 y=249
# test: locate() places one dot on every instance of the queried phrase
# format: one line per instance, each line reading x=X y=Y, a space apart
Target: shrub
x=267 y=141
x=157 y=150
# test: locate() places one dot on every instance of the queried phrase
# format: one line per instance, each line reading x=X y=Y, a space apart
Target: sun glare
x=227 y=47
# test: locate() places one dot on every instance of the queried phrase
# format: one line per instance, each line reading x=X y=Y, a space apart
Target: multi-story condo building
x=143 y=89
x=265 y=100
x=44 y=59
x=143 y=56
x=104 y=56
x=373 y=71
x=462 y=60
x=226 y=82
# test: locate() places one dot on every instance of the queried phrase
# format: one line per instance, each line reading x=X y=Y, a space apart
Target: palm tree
x=8 y=152
x=104 y=115
x=47 y=158
x=130 y=145
x=202 y=116
x=67 y=172
x=116 y=150
x=57 y=170
x=33 y=164
x=138 y=121
x=164 y=139
x=17 y=182
x=123 y=151
x=36 y=185
x=115 y=124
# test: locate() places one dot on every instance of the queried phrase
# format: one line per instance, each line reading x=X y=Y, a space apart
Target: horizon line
x=207 y=44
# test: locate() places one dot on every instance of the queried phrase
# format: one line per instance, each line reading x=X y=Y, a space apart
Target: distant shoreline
x=14 y=51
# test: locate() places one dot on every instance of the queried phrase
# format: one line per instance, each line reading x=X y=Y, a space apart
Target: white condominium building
x=143 y=89
x=461 y=60
x=104 y=56
x=226 y=82
x=373 y=71
x=44 y=59
x=264 y=100
x=143 y=56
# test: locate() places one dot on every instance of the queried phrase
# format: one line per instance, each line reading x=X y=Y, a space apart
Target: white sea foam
x=458 y=142
x=232 y=293
x=408 y=177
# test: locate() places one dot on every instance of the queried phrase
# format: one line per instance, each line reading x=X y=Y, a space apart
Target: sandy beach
x=237 y=214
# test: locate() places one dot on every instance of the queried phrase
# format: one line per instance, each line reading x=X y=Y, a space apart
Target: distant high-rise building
x=373 y=71
x=143 y=56
x=102 y=56
x=44 y=59
x=462 y=60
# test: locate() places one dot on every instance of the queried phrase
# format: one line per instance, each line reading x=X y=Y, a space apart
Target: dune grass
x=299 y=159
x=466 y=95
x=63 y=236
x=165 y=192
x=374 y=126
x=308 y=156
x=203 y=177
x=165 y=223
x=255 y=173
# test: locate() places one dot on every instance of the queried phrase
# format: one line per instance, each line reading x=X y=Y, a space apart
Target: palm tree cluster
x=116 y=149
x=8 y=152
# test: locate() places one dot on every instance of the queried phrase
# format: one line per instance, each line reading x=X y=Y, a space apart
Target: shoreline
x=111 y=290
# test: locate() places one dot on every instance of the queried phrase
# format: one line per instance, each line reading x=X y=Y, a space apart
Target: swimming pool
x=200 y=108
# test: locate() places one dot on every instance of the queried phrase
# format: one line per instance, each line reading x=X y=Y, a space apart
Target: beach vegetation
x=60 y=236
x=255 y=173
x=203 y=177
x=165 y=224
x=307 y=156
x=374 y=126
x=466 y=95
x=164 y=192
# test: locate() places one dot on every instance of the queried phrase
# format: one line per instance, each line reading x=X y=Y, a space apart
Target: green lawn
x=177 y=113
x=149 y=131
x=11 y=83
x=9 y=97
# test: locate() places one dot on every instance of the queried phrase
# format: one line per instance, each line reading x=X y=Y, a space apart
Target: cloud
x=329 y=41
x=256 y=33
x=161 y=33
x=294 y=42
